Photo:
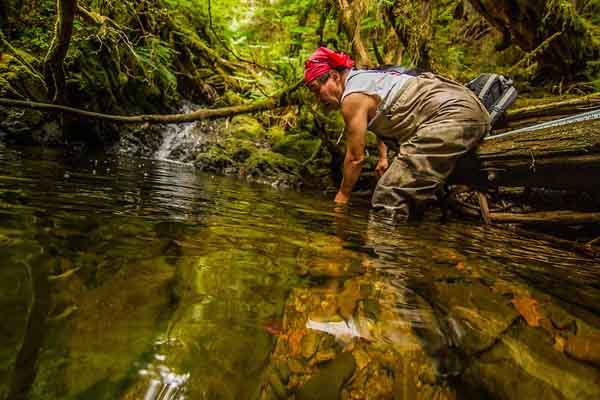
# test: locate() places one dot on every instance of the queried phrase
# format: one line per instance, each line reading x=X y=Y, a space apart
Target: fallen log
x=552 y=110
x=514 y=222
x=557 y=157
x=527 y=116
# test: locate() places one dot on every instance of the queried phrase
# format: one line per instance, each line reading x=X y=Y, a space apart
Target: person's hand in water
x=382 y=166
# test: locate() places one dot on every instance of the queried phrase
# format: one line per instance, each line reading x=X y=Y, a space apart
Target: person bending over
x=434 y=121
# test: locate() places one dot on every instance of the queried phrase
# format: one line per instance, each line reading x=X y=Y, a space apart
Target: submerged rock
x=524 y=365
x=586 y=348
x=370 y=353
x=327 y=382
x=476 y=317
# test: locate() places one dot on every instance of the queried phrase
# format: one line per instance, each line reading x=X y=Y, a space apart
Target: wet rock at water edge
x=140 y=141
x=327 y=382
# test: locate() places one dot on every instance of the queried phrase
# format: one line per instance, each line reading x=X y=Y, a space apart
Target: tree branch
x=279 y=100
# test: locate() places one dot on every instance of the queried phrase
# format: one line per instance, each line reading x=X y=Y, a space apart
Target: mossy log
x=525 y=116
x=560 y=157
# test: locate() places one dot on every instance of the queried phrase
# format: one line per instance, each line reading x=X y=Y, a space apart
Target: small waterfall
x=181 y=142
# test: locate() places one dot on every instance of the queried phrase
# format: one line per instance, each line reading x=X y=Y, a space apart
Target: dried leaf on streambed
x=527 y=307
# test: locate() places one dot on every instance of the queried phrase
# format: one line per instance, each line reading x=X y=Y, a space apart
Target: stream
x=128 y=278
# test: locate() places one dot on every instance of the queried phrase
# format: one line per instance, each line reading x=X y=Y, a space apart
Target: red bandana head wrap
x=324 y=60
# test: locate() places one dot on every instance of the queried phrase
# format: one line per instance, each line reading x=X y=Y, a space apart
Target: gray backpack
x=496 y=92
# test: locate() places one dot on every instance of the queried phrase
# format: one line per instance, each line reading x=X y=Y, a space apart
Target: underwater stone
x=296 y=366
x=327 y=382
x=524 y=365
x=586 y=348
x=310 y=343
x=284 y=371
x=277 y=386
x=478 y=315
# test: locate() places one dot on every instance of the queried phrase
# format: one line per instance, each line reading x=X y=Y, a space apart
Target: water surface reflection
x=139 y=279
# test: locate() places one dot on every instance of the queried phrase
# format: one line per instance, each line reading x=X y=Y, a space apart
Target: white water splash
x=180 y=142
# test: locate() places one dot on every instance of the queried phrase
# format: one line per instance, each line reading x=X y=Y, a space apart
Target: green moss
x=229 y=98
x=239 y=150
x=299 y=146
x=275 y=134
x=247 y=127
x=215 y=159
x=267 y=163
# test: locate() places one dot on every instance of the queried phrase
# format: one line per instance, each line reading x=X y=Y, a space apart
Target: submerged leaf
x=527 y=307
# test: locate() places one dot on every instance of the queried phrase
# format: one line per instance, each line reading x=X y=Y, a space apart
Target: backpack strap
x=488 y=84
x=500 y=106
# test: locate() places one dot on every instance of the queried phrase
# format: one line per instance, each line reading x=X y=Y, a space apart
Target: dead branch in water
x=548 y=217
x=513 y=221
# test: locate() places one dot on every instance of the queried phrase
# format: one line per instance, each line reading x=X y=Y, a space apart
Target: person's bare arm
x=355 y=109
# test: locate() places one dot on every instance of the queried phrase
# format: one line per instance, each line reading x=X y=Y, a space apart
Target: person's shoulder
x=364 y=72
x=356 y=102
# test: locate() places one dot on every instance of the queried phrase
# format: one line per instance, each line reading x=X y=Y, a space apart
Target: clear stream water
x=142 y=279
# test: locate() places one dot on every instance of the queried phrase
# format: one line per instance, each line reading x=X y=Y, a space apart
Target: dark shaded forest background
x=126 y=57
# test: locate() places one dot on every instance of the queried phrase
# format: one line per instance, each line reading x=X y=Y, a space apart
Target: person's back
x=381 y=83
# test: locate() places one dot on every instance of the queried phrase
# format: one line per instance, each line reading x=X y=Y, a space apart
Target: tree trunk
x=54 y=71
x=532 y=24
x=351 y=25
x=296 y=45
x=560 y=157
x=411 y=20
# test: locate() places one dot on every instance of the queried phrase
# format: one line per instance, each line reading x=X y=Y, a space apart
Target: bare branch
x=279 y=100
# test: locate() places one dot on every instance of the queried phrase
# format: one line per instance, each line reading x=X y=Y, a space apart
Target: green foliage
x=147 y=55
x=267 y=163
x=155 y=58
x=37 y=38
